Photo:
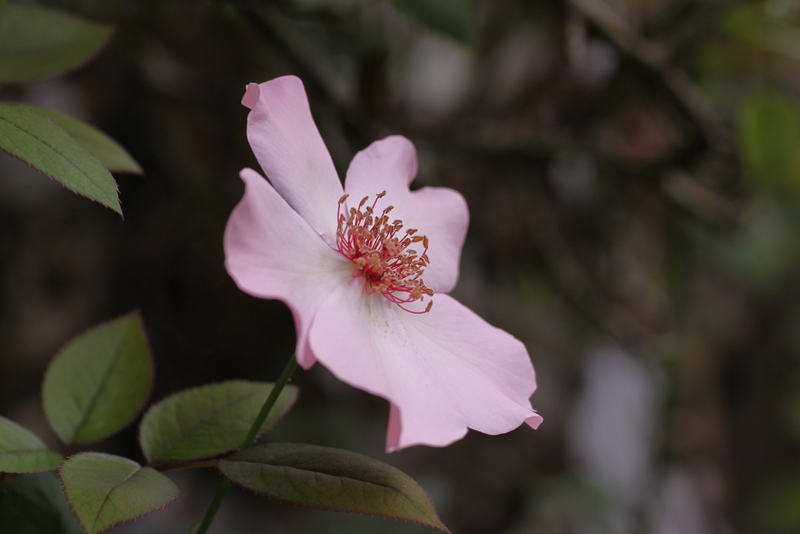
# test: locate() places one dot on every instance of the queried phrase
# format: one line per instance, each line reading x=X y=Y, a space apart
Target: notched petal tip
x=251 y=95
x=247 y=175
x=287 y=144
x=253 y=90
x=534 y=421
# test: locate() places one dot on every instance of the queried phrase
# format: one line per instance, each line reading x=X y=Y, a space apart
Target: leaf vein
x=98 y=191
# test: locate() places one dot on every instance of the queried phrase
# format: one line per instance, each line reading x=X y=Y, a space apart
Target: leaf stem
x=272 y=398
x=184 y=465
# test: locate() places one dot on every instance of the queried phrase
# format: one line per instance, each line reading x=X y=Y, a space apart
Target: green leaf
x=774 y=509
x=330 y=479
x=39 y=142
x=454 y=18
x=105 y=490
x=769 y=136
x=207 y=421
x=22 y=452
x=2 y=9
x=765 y=250
x=38 y=43
x=35 y=504
x=109 y=152
x=99 y=382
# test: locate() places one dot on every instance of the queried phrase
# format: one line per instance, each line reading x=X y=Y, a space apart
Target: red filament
x=380 y=252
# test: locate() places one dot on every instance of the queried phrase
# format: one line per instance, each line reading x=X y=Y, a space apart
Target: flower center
x=379 y=252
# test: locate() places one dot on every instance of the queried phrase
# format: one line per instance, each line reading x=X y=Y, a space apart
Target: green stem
x=291 y=365
x=249 y=440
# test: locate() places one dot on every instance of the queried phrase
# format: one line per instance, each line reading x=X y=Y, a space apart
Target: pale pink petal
x=387 y=165
x=393 y=429
x=271 y=252
x=441 y=214
x=444 y=371
x=288 y=147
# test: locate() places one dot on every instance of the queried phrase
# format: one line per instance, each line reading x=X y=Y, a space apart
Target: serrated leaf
x=38 y=43
x=208 y=420
x=105 y=490
x=99 y=382
x=29 y=461
x=109 y=152
x=769 y=136
x=330 y=479
x=39 y=142
x=35 y=504
x=454 y=18
x=22 y=452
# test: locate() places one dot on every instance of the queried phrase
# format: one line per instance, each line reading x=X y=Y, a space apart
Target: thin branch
x=654 y=58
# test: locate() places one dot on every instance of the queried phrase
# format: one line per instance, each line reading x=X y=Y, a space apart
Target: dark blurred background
x=632 y=170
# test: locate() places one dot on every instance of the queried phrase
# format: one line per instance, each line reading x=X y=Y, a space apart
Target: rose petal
x=439 y=213
x=287 y=144
x=387 y=165
x=271 y=252
x=442 y=371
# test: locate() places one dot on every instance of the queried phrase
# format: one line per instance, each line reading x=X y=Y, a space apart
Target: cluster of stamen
x=379 y=251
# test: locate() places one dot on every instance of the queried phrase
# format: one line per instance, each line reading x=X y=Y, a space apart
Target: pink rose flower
x=365 y=271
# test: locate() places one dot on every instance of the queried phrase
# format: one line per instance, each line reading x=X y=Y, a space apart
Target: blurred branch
x=278 y=32
x=570 y=276
x=679 y=186
x=654 y=58
x=265 y=19
x=692 y=195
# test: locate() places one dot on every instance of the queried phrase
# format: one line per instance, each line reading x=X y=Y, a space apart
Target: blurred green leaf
x=769 y=136
x=2 y=11
x=774 y=509
x=766 y=248
x=330 y=479
x=745 y=21
x=22 y=452
x=109 y=152
x=35 y=504
x=454 y=18
x=105 y=490
x=38 y=43
x=99 y=382
x=762 y=28
x=209 y=420
x=39 y=142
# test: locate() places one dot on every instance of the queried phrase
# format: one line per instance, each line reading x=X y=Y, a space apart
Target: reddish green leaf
x=207 y=421
x=22 y=452
x=330 y=479
x=99 y=382
x=105 y=490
